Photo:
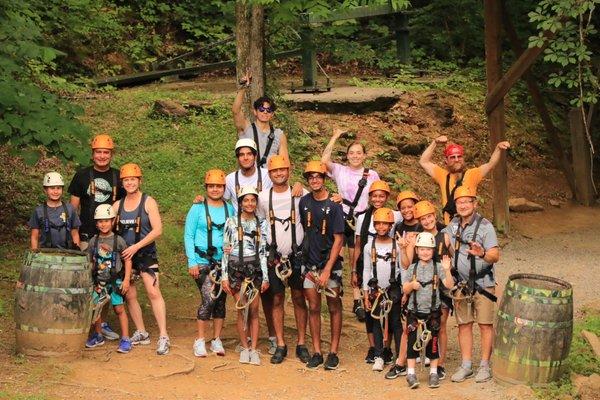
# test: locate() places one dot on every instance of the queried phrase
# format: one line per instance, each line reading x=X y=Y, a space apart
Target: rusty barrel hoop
x=533 y=331
x=53 y=308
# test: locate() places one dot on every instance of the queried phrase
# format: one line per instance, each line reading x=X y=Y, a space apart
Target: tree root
x=184 y=371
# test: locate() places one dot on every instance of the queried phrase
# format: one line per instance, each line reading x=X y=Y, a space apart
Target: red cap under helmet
x=454 y=150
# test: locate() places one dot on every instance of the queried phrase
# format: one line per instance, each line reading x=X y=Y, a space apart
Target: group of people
x=252 y=234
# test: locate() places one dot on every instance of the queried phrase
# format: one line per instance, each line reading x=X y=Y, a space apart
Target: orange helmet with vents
x=384 y=214
x=423 y=208
x=277 y=161
x=214 y=177
x=314 y=166
x=102 y=141
x=464 y=191
x=130 y=170
x=379 y=185
x=407 y=194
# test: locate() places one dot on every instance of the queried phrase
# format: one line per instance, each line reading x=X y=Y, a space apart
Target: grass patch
x=581 y=360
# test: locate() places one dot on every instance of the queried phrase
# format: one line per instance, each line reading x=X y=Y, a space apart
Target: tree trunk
x=249 y=35
x=582 y=162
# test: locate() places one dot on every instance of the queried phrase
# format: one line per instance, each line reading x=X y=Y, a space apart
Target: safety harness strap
x=389 y=256
x=237 y=182
x=260 y=161
x=49 y=225
x=434 y=282
x=361 y=187
x=114 y=275
x=210 y=249
x=450 y=206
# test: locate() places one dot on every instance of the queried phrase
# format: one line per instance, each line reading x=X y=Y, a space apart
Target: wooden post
x=402 y=38
x=582 y=163
x=493 y=63
x=553 y=138
x=309 y=57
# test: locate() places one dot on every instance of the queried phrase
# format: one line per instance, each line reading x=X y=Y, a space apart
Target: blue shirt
x=196 y=232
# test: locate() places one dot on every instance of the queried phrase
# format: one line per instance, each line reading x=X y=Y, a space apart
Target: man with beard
x=281 y=209
x=455 y=174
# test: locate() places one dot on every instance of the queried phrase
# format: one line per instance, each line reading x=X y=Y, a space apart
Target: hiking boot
x=412 y=380
x=272 y=345
x=332 y=361
x=94 y=341
x=216 y=346
x=302 y=353
x=108 y=333
x=280 y=354
x=441 y=372
x=140 y=337
x=378 y=364
x=396 y=371
x=245 y=356
x=359 y=311
x=200 y=348
x=462 y=374
x=124 y=345
x=370 y=358
x=315 y=361
x=484 y=374
x=434 y=381
x=254 y=357
x=388 y=356
x=163 y=346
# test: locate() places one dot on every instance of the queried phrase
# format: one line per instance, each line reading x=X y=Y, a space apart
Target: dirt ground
x=558 y=242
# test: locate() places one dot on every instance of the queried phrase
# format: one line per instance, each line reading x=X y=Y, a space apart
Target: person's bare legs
x=314 y=317
x=300 y=314
x=334 y=304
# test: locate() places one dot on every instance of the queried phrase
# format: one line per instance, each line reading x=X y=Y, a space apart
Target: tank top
x=263 y=139
x=128 y=225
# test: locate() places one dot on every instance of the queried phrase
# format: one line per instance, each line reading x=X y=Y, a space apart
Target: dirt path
x=565 y=249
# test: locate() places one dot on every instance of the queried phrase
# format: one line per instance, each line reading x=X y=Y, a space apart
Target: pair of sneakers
x=249 y=356
x=316 y=360
x=484 y=374
x=97 y=339
x=413 y=381
x=216 y=346
x=143 y=338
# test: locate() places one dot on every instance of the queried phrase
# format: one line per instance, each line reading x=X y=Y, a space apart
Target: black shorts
x=348 y=236
x=140 y=262
x=276 y=286
x=432 y=351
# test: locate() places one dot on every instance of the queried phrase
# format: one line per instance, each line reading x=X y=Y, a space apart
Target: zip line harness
x=48 y=226
x=350 y=216
x=101 y=278
x=383 y=299
x=283 y=265
x=260 y=161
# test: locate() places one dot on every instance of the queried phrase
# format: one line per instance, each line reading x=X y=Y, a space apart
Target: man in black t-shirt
x=323 y=223
x=95 y=185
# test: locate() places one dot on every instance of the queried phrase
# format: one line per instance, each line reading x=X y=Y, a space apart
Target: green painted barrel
x=53 y=308
x=533 y=330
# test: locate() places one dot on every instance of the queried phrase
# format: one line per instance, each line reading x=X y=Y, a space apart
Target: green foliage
x=29 y=115
x=571 y=48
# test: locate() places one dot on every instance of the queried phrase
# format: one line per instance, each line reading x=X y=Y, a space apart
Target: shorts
x=432 y=351
x=481 y=310
x=238 y=273
x=141 y=262
x=348 y=236
x=115 y=298
x=277 y=286
x=335 y=280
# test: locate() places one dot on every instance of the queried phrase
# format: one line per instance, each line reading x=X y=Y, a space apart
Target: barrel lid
x=540 y=284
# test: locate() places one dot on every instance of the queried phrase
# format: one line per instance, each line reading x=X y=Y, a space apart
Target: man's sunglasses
x=265 y=109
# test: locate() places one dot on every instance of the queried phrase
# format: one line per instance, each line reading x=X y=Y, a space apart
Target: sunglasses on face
x=265 y=109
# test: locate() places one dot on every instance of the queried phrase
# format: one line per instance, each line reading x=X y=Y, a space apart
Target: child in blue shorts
x=111 y=280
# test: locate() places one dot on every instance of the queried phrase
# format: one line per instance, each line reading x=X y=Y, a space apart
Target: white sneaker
x=245 y=356
x=163 y=346
x=239 y=347
x=378 y=364
x=140 y=337
x=254 y=357
x=427 y=361
x=200 y=348
x=272 y=345
x=216 y=346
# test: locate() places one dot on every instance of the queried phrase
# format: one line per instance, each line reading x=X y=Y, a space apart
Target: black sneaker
x=332 y=361
x=396 y=371
x=388 y=356
x=315 y=361
x=302 y=353
x=370 y=358
x=359 y=311
x=441 y=372
x=279 y=356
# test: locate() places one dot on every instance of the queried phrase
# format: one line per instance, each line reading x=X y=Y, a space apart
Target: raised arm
x=326 y=156
x=239 y=119
x=494 y=159
x=426 y=157
x=283 y=147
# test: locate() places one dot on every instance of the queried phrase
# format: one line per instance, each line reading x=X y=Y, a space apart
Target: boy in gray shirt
x=422 y=286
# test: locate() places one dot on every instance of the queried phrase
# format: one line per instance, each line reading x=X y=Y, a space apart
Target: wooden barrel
x=53 y=308
x=533 y=330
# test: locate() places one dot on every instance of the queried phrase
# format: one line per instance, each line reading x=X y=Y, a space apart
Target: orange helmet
x=130 y=170
x=423 y=208
x=214 y=177
x=464 y=191
x=379 y=185
x=102 y=141
x=384 y=214
x=407 y=194
x=277 y=161
x=315 y=166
